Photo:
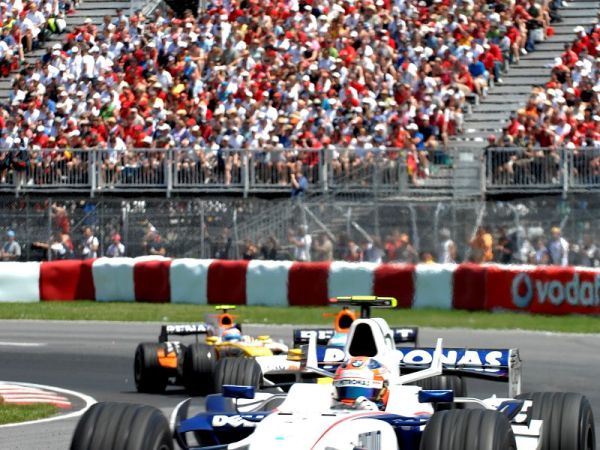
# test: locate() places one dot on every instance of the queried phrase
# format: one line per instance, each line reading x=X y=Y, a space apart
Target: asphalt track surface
x=96 y=358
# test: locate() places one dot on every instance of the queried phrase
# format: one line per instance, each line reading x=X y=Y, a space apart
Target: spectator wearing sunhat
x=11 y=250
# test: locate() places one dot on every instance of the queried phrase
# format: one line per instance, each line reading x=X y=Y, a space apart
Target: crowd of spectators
x=487 y=246
x=280 y=77
x=26 y=25
x=561 y=119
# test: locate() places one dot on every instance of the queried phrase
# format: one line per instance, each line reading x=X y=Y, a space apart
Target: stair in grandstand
x=94 y=9
x=350 y=211
x=493 y=111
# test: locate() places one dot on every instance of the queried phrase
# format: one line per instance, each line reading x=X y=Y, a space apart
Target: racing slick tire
x=149 y=376
x=122 y=426
x=468 y=429
x=445 y=382
x=237 y=371
x=198 y=366
x=568 y=420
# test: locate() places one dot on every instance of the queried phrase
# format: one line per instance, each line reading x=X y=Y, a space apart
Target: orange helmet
x=361 y=376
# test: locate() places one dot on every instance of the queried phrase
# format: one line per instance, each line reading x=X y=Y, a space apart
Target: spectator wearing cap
x=11 y=250
x=418 y=162
x=116 y=248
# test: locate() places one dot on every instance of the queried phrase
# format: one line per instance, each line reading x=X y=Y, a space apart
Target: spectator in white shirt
x=302 y=244
x=90 y=244
x=558 y=248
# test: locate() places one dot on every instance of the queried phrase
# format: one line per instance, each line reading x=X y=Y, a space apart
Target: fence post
x=325 y=163
x=49 y=233
x=92 y=172
x=202 y=230
x=169 y=167
x=245 y=172
x=402 y=174
x=483 y=175
x=565 y=155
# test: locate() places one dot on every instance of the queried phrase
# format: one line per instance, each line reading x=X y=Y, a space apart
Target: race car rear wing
x=188 y=329
x=491 y=364
x=402 y=335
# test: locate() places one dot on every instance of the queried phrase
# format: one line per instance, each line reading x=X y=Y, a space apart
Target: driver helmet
x=232 y=334
x=361 y=377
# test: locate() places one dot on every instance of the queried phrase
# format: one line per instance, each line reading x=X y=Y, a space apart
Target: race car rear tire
x=149 y=376
x=568 y=420
x=198 y=367
x=122 y=426
x=445 y=382
x=237 y=371
x=468 y=429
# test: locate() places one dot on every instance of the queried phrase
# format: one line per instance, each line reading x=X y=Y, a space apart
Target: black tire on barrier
x=122 y=426
x=468 y=429
x=446 y=382
x=568 y=420
x=237 y=371
x=149 y=376
x=198 y=367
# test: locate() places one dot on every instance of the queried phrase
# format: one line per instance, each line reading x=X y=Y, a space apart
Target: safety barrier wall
x=535 y=289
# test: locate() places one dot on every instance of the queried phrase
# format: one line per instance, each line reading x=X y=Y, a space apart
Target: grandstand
x=388 y=123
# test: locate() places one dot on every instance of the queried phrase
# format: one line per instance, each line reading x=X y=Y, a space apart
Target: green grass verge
x=24 y=413
x=144 y=312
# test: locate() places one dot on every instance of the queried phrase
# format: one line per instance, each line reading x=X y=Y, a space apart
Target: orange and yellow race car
x=203 y=364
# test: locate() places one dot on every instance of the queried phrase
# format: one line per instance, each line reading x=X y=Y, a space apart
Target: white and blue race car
x=309 y=417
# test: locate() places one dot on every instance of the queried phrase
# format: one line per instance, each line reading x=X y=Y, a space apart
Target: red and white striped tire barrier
x=541 y=289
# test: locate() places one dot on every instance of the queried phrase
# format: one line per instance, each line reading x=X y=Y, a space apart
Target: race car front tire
x=149 y=376
x=568 y=421
x=468 y=429
x=122 y=426
x=445 y=382
x=237 y=371
x=198 y=366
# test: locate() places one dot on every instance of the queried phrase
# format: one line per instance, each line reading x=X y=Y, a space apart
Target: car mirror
x=232 y=391
x=427 y=396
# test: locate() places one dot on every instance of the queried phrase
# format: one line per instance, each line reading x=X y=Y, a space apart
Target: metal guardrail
x=552 y=170
x=188 y=170
x=375 y=171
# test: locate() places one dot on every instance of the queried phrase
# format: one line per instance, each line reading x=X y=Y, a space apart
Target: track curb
x=88 y=402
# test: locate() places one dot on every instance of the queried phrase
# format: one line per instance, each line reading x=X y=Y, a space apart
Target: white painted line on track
x=89 y=401
x=22 y=344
